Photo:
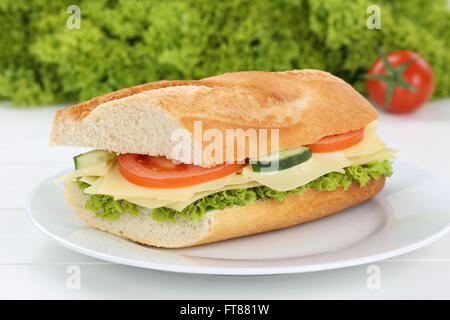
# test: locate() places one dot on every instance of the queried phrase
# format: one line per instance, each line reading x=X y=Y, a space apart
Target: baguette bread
x=263 y=215
x=304 y=105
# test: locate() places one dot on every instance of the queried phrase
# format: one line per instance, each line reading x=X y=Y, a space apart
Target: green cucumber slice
x=281 y=160
x=92 y=157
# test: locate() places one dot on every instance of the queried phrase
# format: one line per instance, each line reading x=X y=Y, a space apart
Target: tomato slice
x=160 y=172
x=337 y=142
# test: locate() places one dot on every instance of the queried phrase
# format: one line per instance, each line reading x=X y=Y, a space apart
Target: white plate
x=411 y=212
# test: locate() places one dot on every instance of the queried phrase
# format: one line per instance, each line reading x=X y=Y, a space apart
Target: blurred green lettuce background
x=124 y=43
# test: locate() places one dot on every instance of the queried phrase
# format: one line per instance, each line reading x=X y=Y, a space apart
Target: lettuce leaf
x=106 y=206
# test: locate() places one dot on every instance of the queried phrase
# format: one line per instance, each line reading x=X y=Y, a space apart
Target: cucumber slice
x=92 y=157
x=281 y=160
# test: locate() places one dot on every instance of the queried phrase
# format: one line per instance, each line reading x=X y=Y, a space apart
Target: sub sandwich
x=183 y=163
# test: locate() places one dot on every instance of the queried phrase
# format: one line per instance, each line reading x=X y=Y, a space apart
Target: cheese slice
x=385 y=154
x=97 y=169
x=370 y=144
x=296 y=176
x=148 y=203
x=180 y=205
x=89 y=179
x=114 y=184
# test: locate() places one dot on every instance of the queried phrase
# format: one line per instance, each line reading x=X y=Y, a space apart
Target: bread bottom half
x=261 y=216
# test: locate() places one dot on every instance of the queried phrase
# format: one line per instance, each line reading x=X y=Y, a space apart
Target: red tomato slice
x=337 y=142
x=160 y=172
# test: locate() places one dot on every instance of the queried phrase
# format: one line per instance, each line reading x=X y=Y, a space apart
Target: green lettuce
x=106 y=206
x=133 y=42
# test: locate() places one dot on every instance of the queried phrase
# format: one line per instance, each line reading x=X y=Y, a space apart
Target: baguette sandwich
x=182 y=163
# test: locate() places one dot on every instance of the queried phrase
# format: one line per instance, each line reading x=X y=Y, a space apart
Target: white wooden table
x=32 y=266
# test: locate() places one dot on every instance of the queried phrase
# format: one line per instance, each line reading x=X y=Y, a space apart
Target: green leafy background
x=124 y=43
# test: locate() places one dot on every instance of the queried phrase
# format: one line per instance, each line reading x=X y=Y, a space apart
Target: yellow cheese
x=318 y=165
x=180 y=205
x=370 y=144
x=89 y=179
x=98 y=169
x=147 y=203
x=114 y=184
x=385 y=154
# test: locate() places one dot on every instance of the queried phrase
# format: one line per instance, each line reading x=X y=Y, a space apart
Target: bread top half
x=304 y=105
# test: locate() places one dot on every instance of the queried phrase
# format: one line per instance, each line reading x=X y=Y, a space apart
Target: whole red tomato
x=418 y=75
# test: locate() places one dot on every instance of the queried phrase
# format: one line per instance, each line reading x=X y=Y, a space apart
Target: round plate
x=411 y=212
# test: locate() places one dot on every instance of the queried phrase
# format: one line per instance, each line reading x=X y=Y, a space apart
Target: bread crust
x=262 y=216
x=296 y=209
x=304 y=105
x=240 y=97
